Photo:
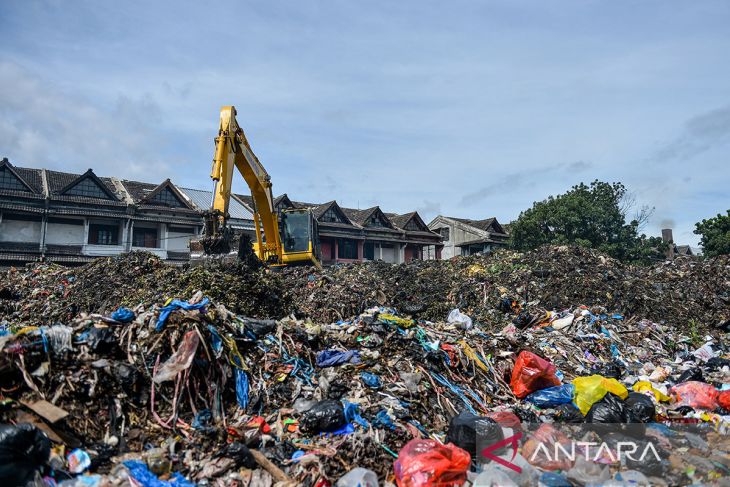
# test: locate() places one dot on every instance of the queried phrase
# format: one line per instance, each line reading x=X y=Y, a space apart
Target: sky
x=471 y=109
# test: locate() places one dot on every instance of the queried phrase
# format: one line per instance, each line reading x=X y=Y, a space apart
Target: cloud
x=524 y=178
x=44 y=125
x=428 y=210
x=700 y=133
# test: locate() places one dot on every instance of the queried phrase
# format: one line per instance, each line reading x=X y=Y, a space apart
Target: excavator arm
x=293 y=241
x=233 y=150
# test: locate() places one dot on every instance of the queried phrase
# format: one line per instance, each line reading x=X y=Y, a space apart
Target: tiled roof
x=202 y=198
x=32 y=177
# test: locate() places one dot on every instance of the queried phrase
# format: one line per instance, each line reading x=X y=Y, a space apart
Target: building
x=72 y=218
x=467 y=237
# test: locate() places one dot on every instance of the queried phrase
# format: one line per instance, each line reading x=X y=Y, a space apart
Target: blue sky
x=471 y=109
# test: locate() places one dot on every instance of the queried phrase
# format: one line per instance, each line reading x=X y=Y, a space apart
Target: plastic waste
x=331 y=358
x=325 y=416
x=466 y=427
x=591 y=389
x=532 y=373
x=698 y=395
x=586 y=472
x=371 y=380
x=24 y=449
x=383 y=420
x=611 y=370
x=240 y=453
x=552 y=479
x=358 y=477
x=180 y=360
x=123 y=315
x=411 y=380
x=492 y=476
x=552 y=396
x=259 y=328
x=242 y=388
x=646 y=386
x=101 y=339
x=458 y=318
x=705 y=352
x=723 y=399
x=78 y=461
x=691 y=374
x=60 y=338
x=610 y=409
x=568 y=413
x=425 y=463
x=640 y=407
x=632 y=477
x=506 y=419
x=176 y=304
x=144 y=477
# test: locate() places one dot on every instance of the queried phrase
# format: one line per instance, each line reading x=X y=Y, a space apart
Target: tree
x=715 y=234
x=590 y=216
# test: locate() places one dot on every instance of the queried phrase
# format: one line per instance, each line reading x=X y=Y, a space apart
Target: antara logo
x=624 y=450
x=512 y=440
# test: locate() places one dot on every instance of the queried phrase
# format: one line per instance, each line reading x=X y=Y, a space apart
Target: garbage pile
x=678 y=292
x=127 y=371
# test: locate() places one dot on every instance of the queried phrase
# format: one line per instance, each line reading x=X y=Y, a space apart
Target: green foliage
x=587 y=216
x=715 y=234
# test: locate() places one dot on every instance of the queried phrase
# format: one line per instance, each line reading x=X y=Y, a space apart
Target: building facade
x=467 y=237
x=73 y=218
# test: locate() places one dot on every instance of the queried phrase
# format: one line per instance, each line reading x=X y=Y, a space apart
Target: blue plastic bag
x=139 y=471
x=242 y=388
x=552 y=396
x=371 y=380
x=177 y=304
x=383 y=420
x=331 y=358
x=123 y=315
x=352 y=414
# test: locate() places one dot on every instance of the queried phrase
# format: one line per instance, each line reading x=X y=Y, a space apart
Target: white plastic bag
x=458 y=318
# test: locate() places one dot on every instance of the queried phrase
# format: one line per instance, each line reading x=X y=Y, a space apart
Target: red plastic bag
x=723 y=399
x=506 y=419
x=532 y=373
x=698 y=395
x=425 y=463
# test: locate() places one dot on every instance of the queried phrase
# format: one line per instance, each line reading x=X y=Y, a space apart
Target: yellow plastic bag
x=645 y=385
x=589 y=390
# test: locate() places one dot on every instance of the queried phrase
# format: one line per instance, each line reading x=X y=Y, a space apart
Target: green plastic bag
x=591 y=389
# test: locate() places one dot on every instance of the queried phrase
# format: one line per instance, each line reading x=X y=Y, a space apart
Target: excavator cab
x=298 y=236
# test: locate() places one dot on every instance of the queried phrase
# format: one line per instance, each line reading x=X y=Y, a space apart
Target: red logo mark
x=512 y=440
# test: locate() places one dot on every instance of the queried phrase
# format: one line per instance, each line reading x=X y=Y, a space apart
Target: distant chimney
x=667 y=238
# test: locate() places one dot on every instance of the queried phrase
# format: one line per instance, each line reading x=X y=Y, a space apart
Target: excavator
x=284 y=239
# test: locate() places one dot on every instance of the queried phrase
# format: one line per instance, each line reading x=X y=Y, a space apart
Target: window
x=444 y=232
x=413 y=225
x=295 y=234
x=346 y=248
x=144 y=237
x=330 y=216
x=87 y=188
x=377 y=221
x=65 y=221
x=189 y=230
x=167 y=198
x=103 y=234
x=8 y=180
x=369 y=251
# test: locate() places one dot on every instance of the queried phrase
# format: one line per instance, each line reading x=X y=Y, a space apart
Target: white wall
x=64 y=234
x=20 y=231
x=178 y=241
x=387 y=254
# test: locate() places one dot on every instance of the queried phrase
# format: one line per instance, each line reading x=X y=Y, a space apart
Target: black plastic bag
x=260 y=328
x=24 y=449
x=325 y=416
x=568 y=413
x=640 y=408
x=610 y=409
x=467 y=429
x=101 y=340
x=717 y=362
x=241 y=455
x=691 y=374
x=610 y=370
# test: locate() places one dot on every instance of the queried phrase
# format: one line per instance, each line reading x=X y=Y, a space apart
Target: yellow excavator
x=282 y=239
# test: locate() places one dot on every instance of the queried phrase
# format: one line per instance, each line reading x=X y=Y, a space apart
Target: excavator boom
x=232 y=150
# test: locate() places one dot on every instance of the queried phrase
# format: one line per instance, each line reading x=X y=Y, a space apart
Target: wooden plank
x=46 y=410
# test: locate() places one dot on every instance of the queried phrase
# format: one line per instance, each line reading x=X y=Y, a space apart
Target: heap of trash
x=128 y=371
